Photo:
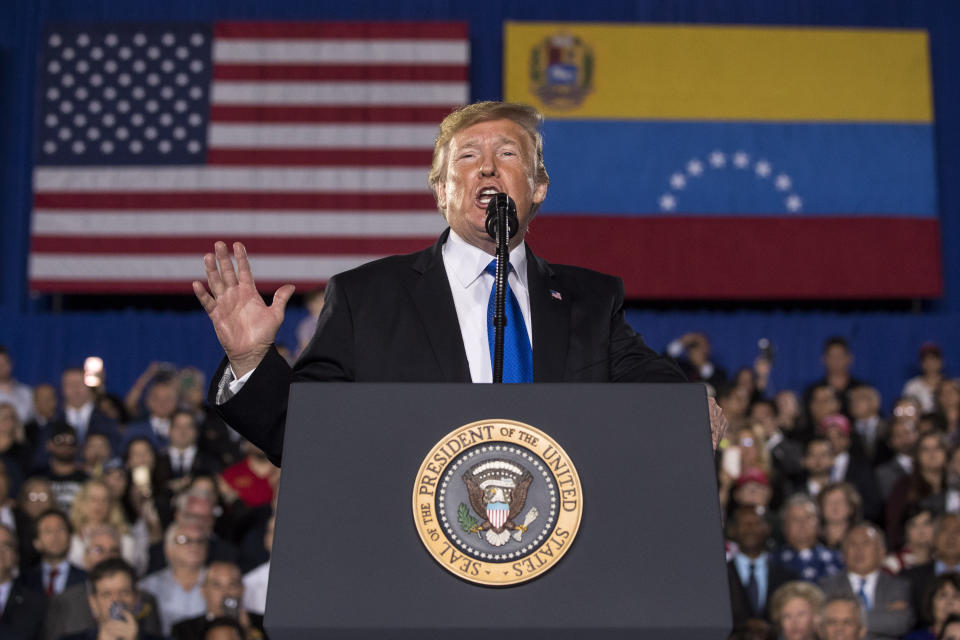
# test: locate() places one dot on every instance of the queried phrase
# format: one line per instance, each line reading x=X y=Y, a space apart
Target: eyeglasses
x=100 y=550
x=64 y=438
x=182 y=539
x=38 y=496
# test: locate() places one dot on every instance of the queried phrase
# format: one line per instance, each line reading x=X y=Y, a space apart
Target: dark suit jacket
x=778 y=575
x=920 y=579
x=69 y=613
x=33 y=579
x=203 y=463
x=193 y=628
x=23 y=614
x=881 y=622
x=394 y=320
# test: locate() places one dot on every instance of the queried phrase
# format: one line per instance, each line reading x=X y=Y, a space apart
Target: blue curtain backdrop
x=43 y=342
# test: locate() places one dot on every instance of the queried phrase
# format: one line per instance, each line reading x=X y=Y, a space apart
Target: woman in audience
x=14 y=451
x=793 y=609
x=926 y=486
x=788 y=414
x=948 y=406
x=941 y=601
x=950 y=629
x=918 y=541
x=840 y=507
x=147 y=496
x=95 y=506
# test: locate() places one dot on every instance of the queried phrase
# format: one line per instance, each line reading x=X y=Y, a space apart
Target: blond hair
x=795 y=589
x=529 y=119
x=115 y=517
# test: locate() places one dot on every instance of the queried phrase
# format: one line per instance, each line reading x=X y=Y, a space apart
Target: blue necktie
x=517 y=354
x=862 y=593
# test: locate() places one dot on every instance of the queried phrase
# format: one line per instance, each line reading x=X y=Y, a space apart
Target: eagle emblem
x=497 y=490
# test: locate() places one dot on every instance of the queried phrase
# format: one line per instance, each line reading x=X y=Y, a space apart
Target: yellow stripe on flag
x=682 y=72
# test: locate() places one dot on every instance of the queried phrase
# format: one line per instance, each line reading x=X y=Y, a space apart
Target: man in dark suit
x=21 y=610
x=753 y=573
x=184 y=459
x=52 y=540
x=422 y=317
x=113 y=599
x=223 y=592
x=885 y=598
x=946 y=553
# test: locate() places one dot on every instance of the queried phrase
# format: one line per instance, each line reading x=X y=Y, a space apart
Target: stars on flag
x=740 y=160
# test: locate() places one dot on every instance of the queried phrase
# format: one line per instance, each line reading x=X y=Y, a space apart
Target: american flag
x=310 y=142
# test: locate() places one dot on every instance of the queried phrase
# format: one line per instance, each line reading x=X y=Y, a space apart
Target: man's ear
x=440 y=192
x=540 y=192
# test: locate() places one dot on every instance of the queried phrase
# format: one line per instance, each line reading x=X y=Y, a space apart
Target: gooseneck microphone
x=502 y=224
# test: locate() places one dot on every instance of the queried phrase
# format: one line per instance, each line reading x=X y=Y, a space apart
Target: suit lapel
x=434 y=302
x=550 y=315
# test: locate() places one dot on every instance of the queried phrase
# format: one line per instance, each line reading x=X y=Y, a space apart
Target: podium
x=647 y=561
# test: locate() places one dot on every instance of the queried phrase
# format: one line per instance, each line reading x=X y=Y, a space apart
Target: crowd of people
x=136 y=517
x=146 y=516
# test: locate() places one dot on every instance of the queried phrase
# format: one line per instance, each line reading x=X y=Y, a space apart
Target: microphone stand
x=500 y=282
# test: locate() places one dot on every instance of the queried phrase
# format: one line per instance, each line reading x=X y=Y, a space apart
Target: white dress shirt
x=79 y=419
x=470 y=286
x=182 y=459
x=870 y=587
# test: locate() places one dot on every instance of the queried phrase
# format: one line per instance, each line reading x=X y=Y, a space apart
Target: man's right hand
x=245 y=325
x=126 y=629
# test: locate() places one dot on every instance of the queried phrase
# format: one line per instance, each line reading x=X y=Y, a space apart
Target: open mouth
x=485 y=195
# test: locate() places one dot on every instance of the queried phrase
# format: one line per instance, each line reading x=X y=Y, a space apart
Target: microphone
x=497 y=202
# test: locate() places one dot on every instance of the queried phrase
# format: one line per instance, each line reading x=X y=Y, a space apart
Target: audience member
x=95 y=506
x=885 y=598
x=840 y=508
x=313 y=301
x=752 y=574
x=869 y=429
x=14 y=451
x=21 y=609
x=16 y=393
x=926 y=486
x=45 y=411
x=223 y=629
x=917 y=548
x=255 y=582
x=786 y=455
x=63 y=471
x=902 y=442
x=254 y=479
x=837 y=359
x=52 y=540
x=946 y=559
x=224 y=597
x=34 y=499
x=113 y=601
x=941 y=601
x=924 y=386
x=79 y=409
x=848 y=466
x=70 y=612
x=196 y=507
x=802 y=553
x=948 y=407
x=817 y=465
x=161 y=403
x=178 y=586
x=842 y=618
x=794 y=608
x=96 y=452
x=183 y=458
x=951 y=629
x=789 y=416
x=692 y=353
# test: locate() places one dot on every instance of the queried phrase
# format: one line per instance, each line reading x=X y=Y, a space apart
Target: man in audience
x=44 y=412
x=223 y=595
x=22 y=609
x=178 y=586
x=692 y=353
x=870 y=429
x=64 y=471
x=849 y=467
x=785 y=454
x=196 y=508
x=161 y=403
x=885 y=598
x=802 y=553
x=113 y=599
x=902 y=442
x=52 y=540
x=16 y=393
x=70 y=612
x=752 y=575
x=946 y=553
x=837 y=359
x=255 y=582
x=96 y=451
x=183 y=458
x=817 y=464
x=80 y=411
x=842 y=618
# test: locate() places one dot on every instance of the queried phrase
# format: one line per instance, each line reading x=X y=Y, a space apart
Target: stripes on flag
x=310 y=142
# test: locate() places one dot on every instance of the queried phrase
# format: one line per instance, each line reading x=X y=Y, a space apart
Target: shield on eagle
x=498 y=490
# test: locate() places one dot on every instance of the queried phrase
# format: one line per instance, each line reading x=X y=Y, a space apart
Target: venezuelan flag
x=735 y=161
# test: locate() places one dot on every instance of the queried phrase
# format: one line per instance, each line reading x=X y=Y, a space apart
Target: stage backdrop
x=735 y=161
x=308 y=141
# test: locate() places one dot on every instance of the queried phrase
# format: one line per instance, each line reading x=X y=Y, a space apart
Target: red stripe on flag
x=232 y=200
x=411 y=114
x=256 y=156
x=256 y=245
x=148 y=286
x=725 y=257
x=343 y=30
x=357 y=72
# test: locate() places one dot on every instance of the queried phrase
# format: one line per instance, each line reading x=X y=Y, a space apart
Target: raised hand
x=245 y=326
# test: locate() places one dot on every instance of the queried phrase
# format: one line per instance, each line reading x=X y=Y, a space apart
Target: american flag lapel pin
x=556 y=295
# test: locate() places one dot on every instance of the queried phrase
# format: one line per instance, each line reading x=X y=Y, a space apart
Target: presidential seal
x=497 y=502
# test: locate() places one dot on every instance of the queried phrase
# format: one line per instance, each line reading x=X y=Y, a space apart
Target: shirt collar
x=468 y=262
